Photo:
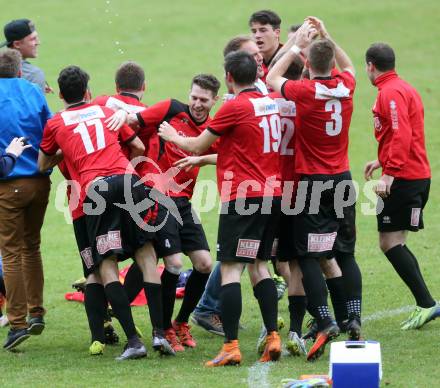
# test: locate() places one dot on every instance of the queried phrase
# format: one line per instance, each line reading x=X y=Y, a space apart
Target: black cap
x=17 y=30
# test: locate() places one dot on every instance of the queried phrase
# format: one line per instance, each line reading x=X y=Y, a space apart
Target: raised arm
x=343 y=61
x=196 y=145
x=302 y=39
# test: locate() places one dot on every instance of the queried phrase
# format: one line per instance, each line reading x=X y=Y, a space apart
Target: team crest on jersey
x=377 y=124
x=286 y=108
x=106 y=242
x=115 y=104
x=264 y=106
x=321 y=242
x=78 y=116
x=247 y=248
x=322 y=92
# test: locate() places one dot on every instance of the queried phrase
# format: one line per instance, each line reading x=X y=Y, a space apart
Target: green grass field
x=175 y=40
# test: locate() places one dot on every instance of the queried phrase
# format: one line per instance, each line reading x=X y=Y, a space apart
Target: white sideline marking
x=257 y=373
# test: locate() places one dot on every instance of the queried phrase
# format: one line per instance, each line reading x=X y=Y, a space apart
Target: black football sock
x=193 y=291
x=134 y=282
x=352 y=278
x=266 y=293
x=230 y=307
x=404 y=264
x=316 y=291
x=118 y=300
x=169 y=283
x=297 y=310
x=95 y=303
x=416 y=263
x=153 y=292
x=337 y=295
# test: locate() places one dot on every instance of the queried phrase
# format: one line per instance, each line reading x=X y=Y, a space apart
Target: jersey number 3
x=334 y=127
x=83 y=130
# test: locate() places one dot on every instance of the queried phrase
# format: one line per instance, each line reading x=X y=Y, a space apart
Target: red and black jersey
x=287 y=112
x=324 y=107
x=162 y=155
x=399 y=128
x=266 y=64
x=248 y=151
x=126 y=101
x=89 y=148
x=73 y=191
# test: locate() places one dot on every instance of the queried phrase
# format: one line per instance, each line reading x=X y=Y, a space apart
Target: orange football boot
x=229 y=355
x=272 y=350
x=185 y=337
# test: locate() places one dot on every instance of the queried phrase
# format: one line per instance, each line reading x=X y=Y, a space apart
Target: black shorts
x=327 y=222
x=244 y=238
x=403 y=208
x=114 y=230
x=286 y=250
x=82 y=241
x=172 y=236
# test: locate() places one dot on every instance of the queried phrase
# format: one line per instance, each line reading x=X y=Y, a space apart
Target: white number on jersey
x=272 y=133
x=287 y=129
x=83 y=130
x=333 y=128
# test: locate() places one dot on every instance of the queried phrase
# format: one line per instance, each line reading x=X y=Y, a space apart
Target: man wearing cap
x=24 y=195
x=21 y=35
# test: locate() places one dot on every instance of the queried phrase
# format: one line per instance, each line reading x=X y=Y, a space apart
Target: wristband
x=295 y=49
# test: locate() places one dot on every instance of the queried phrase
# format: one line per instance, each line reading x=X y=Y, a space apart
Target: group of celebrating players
x=280 y=138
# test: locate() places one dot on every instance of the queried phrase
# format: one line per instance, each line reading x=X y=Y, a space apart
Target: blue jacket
x=23 y=112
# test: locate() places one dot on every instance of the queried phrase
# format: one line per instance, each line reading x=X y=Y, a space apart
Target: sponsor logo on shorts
x=386 y=219
x=106 y=242
x=321 y=242
x=86 y=255
x=415 y=216
x=274 y=247
x=247 y=248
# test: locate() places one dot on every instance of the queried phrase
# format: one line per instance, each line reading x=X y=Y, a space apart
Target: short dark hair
x=321 y=55
x=242 y=67
x=235 y=44
x=381 y=55
x=73 y=82
x=295 y=69
x=265 y=16
x=130 y=76
x=10 y=62
x=208 y=82
x=294 y=27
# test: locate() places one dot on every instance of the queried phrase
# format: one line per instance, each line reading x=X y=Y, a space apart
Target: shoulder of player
x=100 y=100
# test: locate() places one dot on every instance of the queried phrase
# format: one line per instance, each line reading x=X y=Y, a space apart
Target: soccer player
x=207 y=312
x=112 y=233
x=249 y=186
x=265 y=27
x=185 y=235
x=406 y=176
x=324 y=107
